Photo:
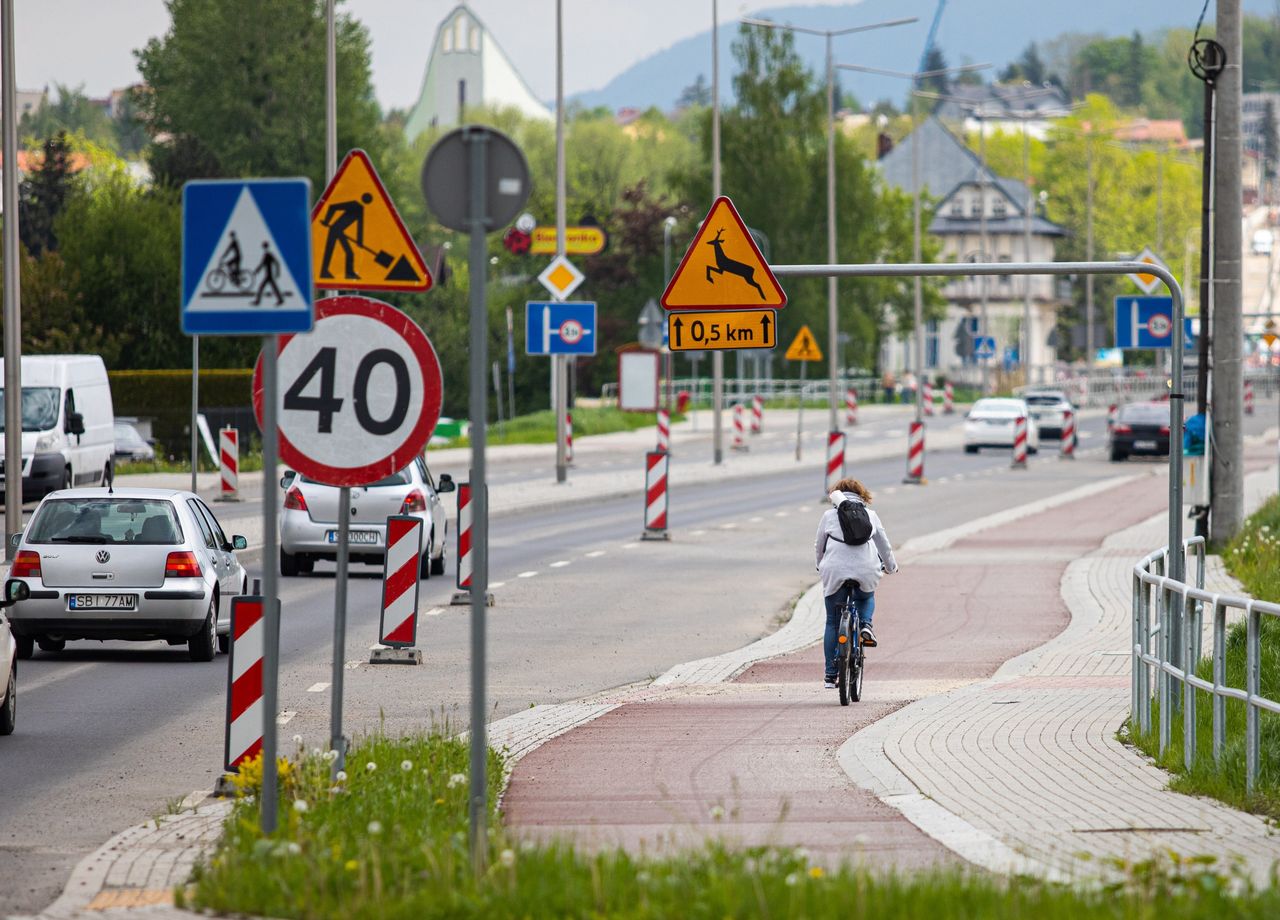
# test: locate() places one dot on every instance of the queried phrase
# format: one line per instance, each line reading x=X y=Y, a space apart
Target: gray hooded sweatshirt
x=837 y=562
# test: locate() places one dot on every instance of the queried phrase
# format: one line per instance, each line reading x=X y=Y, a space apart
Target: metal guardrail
x=1168 y=623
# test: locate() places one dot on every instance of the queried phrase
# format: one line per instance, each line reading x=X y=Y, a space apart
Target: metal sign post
x=270 y=605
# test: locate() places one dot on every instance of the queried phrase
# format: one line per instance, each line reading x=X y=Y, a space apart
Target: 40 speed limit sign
x=360 y=393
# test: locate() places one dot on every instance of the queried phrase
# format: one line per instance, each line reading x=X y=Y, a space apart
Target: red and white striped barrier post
x=757 y=414
x=738 y=442
x=229 y=464
x=656 y=463
x=835 y=461
x=1112 y=411
x=948 y=399
x=664 y=430
x=928 y=398
x=1248 y=397
x=851 y=406
x=568 y=437
x=246 y=712
x=1020 y=443
x=398 y=624
x=1068 y=444
x=915 y=455
x=463 y=595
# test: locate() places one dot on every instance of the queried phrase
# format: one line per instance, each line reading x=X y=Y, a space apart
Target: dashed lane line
x=286 y=716
x=434 y=612
x=630 y=545
x=560 y=564
x=755 y=520
x=594 y=554
x=497 y=584
x=319 y=687
x=526 y=574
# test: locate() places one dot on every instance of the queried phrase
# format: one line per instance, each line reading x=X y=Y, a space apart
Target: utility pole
x=557 y=361
x=12 y=290
x=717 y=356
x=985 y=256
x=1227 y=475
x=1026 y=248
x=1090 y=346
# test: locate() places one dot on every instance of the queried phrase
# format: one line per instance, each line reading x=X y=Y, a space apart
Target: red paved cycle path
x=763 y=746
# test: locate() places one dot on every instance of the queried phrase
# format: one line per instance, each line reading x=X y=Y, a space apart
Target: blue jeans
x=863 y=601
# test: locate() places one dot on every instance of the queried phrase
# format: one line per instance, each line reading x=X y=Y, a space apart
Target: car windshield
x=151 y=522
x=127 y=434
x=1152 y=413
x=1046 y=399
x=39 y=408
x=401 y=478
x=998 y=406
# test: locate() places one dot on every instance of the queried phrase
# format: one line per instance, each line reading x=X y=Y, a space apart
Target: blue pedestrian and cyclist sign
x=1147 y=322
x=984 y=346
x=246 y=257
x=560 y=328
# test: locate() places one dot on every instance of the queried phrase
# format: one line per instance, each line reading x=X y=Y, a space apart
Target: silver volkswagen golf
x=126 y=564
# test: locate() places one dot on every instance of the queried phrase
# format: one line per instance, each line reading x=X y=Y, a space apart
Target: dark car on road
x=1139 y=428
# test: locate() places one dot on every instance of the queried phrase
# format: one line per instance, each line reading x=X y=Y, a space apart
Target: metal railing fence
x=1168 y=623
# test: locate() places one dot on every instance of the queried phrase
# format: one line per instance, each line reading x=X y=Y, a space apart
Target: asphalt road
x=111 y=733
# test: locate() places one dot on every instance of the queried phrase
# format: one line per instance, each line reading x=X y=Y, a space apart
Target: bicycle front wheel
x=856 y=664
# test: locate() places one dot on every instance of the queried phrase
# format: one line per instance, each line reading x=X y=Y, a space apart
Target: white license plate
x=1144 y=445
x=102 y=601
x=363 y=537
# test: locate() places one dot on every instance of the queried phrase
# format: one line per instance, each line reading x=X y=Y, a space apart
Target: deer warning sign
x=723 y=269
x=358 y=242
x=804 y=347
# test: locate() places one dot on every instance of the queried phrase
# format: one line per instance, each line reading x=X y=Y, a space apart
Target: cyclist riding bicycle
x=861 y=563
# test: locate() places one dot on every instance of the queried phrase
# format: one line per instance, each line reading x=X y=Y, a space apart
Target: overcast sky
x=91 y=42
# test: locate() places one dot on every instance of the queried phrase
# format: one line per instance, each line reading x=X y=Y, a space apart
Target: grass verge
x=540 y=427
x=1253 y=558
x=391 y=842
x=248 y=463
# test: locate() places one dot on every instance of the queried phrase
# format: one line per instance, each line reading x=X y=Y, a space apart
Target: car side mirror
x=445 y=483
x=239 y=542
x=14 y=591
x=287 y=479
x=15 y=539
x=75 y=424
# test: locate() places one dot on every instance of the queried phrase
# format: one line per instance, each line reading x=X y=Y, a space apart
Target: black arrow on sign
x=677 y=324
x=764 y=324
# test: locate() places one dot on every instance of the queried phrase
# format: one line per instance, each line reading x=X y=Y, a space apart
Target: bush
x=165 y=397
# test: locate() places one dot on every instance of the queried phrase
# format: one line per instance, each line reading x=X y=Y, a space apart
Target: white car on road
x=8 y=663
x=1049 y=408
x=126 y=564
x=309 y=521
x=990 y=423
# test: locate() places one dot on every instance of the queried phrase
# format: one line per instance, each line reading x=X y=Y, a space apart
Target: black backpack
x=855 y=523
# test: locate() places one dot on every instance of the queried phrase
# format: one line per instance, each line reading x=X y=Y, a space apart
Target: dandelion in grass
x=374 y=828
x=816 y=872
x=341 y=776
x=300 y=806
x=861 y=840
x=793 y=879
x=717 y=813
x=507 y=858
x=370 y=767
x=351 y=865
x=330 y=755
x=458 y=779
x=406 y=765
x=297 y=740
x=642 y=877
x=526 y=846
x=439 y=801
x=749 y=865
x=293 y=849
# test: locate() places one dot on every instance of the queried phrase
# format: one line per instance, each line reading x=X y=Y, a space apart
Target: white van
x=68 y=423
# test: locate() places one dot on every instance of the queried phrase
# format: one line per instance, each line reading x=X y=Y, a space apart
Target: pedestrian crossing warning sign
x=358 y=242
x=723 y=268
x=804 y=347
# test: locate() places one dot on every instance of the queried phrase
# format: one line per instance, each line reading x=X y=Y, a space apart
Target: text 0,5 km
x=360 y=394
x=722 y=329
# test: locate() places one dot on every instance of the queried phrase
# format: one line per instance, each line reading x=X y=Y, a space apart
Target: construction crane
x=933 y=33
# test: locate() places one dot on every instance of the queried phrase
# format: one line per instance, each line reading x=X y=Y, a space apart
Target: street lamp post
x=833 y=363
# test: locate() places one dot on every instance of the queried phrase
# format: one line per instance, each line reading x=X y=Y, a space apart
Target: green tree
x=71 y=113
x=54 y=319
x=43 y=194
x=1029 y=67
x=244 y=79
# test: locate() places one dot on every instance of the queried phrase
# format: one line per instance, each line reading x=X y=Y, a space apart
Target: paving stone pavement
x=1024 y=772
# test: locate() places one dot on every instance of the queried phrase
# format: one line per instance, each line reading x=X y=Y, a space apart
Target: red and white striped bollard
x=835 y=461
x=246 y=712
x=851 y=406
x=664 y=430
x=757 y=414
x=738 y=443
x=398 y=624
x=927 y=398
x=948 y=399
x=915 y=455
x=1068 y=443
x=656 y=464
x=1248 y=397
x=229 y=464
x=1020 y=443
x=462 y=596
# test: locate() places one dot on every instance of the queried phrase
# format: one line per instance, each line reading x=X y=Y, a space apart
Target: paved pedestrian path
x=1024 y=772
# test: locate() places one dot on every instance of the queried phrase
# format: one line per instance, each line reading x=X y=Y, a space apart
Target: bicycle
x=218 y=277
x=850 y=657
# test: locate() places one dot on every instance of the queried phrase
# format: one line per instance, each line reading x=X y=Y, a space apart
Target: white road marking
x=890 y=490
x=26 y=686
x=560 y=565
x=496 y=584
x=781 y=513
x=754 y=520
x=194 y=798
x=320 y=687
x=728 y=526
x=630 y=545
x=434 y=612
x=594 y=554
x=352 y=665
x=526 y=574
x=942 y=479
x=696 y=533
x=894 y=433
x=803 y=508
x=286 y=715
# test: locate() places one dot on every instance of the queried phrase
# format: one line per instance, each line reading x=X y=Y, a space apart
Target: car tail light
x=414 y=501
x=182 y=564
x=294 y=500
x=26 y=565
x=1164 y=429
x=1121 y=429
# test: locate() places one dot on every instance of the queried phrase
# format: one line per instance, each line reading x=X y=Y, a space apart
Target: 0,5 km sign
x=360 y=393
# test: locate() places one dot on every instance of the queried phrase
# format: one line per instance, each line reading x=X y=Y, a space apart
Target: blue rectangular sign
x=560 y=328
x=246 y=257
x=1147 y=322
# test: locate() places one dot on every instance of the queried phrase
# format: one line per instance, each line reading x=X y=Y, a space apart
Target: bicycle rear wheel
x=842 y=672
x=856 y=663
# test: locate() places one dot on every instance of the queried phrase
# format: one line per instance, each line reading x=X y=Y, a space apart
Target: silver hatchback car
x=126 y=564
x=309 y=519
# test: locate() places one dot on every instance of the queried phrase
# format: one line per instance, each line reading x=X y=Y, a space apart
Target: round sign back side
x=359 y=395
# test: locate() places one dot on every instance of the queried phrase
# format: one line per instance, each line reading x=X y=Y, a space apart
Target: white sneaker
x=828 y=683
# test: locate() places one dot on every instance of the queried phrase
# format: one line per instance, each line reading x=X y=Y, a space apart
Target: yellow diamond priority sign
x=804 y=347
x=1147 y=282
x=561 y=277
x=723 y=268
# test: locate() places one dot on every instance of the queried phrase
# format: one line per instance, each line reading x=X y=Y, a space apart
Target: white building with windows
x=949 y=171
x=467 y=67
